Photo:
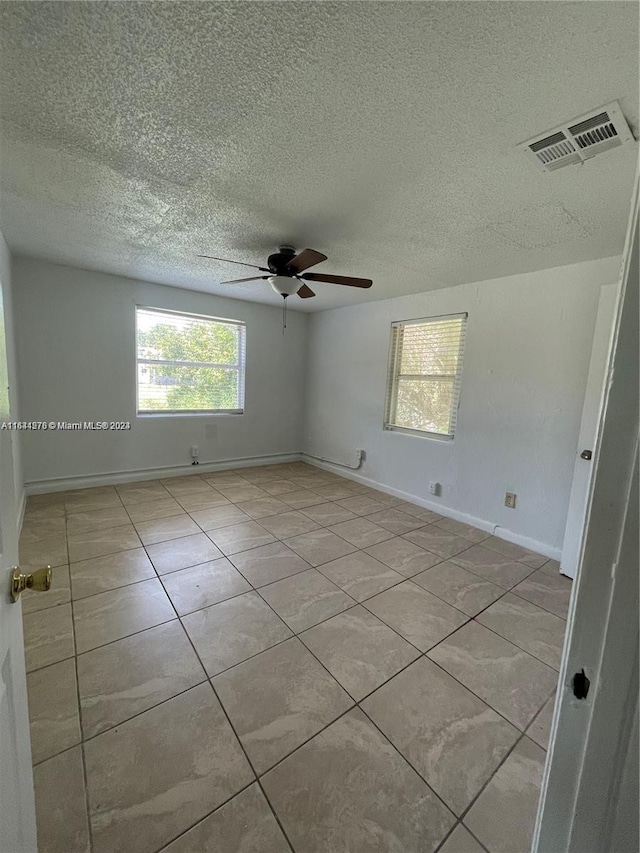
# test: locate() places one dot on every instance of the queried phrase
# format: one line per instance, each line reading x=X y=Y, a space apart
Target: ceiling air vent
x=580 y=139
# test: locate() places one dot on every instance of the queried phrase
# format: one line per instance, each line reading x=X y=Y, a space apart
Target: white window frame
x=239 y=366
x=393 y=376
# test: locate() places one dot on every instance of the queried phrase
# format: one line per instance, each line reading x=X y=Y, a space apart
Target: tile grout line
x=317 y=568
x=455 y=826
x=275 y=815
x=297 y=635
x=85 y=775
x=486 y=784
x=85 y=740
x=521 y=735
x=83 y=759
x=499 y=713
x=224 y=711
x=421 y=654
x=241 y=745
x=404 y=758
x=466 y=687
x=288 y=577
x=200 y=820
x=358 y=704
x=256 y=520
x=535 y=604
x=513 y=643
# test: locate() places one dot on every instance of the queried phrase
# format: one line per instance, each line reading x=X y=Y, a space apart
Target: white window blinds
x=189 y=364
x=425 y=370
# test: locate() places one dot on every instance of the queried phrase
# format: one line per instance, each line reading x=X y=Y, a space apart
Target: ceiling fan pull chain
x=284 y=314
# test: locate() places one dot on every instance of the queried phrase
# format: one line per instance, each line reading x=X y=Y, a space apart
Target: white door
x=17 y=810
x=589 y=800
x=583 y=469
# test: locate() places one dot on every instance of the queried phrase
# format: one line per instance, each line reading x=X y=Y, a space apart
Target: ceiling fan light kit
x=284 y=285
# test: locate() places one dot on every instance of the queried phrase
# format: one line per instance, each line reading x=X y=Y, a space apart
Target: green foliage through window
x=424 y=375
x=188 y=363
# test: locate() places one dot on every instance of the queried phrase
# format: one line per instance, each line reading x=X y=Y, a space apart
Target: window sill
x=211 y=414
x=418 y=433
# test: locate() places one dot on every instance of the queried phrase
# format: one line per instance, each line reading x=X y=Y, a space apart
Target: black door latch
x=580 y=685
x=586 y=454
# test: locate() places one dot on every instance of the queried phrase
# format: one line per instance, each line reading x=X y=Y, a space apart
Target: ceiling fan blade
x=227 y=261
x=305 y=292
x=305 y=259
x=338 y=279
x=251 y=278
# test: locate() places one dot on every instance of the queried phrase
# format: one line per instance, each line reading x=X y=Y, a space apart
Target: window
x=425 y=367
x=188 y=364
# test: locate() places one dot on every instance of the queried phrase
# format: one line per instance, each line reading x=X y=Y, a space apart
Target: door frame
x=591 y=413
x=590 y=738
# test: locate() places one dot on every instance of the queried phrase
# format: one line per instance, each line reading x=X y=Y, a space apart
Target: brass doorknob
x=40 y=581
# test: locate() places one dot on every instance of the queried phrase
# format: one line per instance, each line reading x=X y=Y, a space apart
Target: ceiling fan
x=286 y=272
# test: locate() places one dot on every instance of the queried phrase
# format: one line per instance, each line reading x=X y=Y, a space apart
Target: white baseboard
x=63 y=484
x=527 y=542
x=449 y=512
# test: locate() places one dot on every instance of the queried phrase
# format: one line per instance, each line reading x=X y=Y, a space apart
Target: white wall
x=527 y=356
x=9 y=322
x=75 y=333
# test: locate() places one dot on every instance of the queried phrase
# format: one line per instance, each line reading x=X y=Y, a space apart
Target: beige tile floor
x=279 y=659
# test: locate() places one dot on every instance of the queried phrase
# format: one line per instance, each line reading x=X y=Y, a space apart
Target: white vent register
x=579 y=139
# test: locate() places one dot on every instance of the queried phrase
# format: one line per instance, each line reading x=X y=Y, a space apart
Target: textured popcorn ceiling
x=137 y=135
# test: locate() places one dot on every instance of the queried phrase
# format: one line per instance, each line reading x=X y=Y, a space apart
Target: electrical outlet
x=434 y=488
x=510 y=500
x=361 y=455
x=194 y=451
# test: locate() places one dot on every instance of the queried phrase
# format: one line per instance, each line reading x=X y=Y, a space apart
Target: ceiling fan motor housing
x=277 y=262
